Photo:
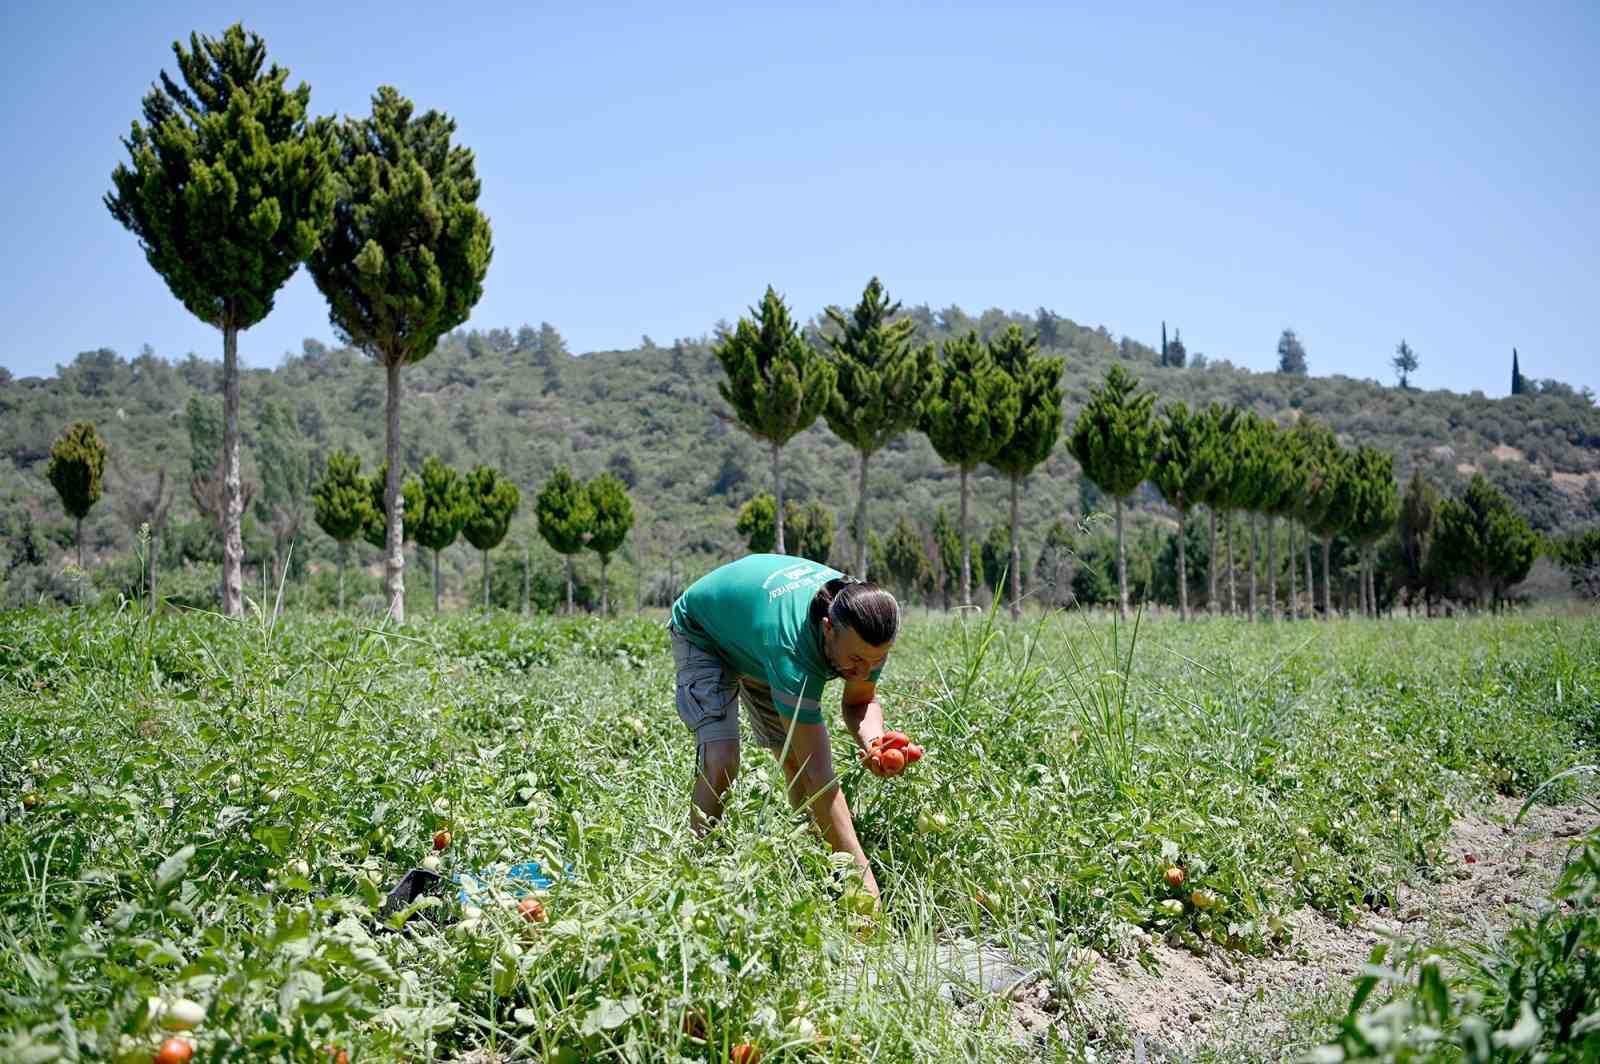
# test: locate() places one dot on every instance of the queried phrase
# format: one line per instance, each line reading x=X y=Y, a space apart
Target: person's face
x=851 y=656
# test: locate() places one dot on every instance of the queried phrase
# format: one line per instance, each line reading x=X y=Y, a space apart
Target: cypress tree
x=1483 y=541
x=968 y=418
x=1213 y=492
x=340 y=502
x=613 y=517
x=1377 y=506
x=903 y=557
x=403 y=264
x=757 y=522
x=566 y=516
x=883 y=378
x=1320 y=460
x=1419 y=512
x=493 y=502
x=446 y=505
x=227 y=186
x=947 y=541
x=1277 y=495
x=1114 y=440
x=1182 y=470
x=76 y=470
x=812 y=525
x=777 y=384
x=1038 y=386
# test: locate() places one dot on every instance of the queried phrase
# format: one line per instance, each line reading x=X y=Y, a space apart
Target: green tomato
x=1171 y=907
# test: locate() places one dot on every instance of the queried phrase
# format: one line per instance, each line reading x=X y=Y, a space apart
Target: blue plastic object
x=520 y=878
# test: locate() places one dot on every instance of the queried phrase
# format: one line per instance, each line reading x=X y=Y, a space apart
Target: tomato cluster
x=891 y=753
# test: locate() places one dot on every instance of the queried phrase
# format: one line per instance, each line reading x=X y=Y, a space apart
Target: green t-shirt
x=754 y=615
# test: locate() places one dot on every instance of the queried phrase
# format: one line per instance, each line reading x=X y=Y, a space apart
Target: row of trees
x=996 y=402
x=231 y=185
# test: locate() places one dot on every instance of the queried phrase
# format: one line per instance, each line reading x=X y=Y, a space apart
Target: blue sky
x=1358 y=173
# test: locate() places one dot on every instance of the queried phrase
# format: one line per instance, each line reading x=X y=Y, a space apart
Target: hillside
x=521 y=402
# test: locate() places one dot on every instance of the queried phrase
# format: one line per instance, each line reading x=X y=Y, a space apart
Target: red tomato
x=913 y=754
x=338 y=1055
x=441 y=839
x=875 y=761
x=893 y=760
x=1174 y=877
x=745 y=1053
x=896 y=740
x=174 y=1051
x=532 y=910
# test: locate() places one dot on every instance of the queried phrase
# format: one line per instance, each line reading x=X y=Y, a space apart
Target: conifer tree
x=340 y=504
x=1483 y=541
x=757 y=522
x=375 y=528
x=1321 y=462
x=777 y=384
x=1213 y=492
x=494 y=500
x=968 y=418
x=883 y=378
x=76 y=470
x=812 y=529
x=1404 y=363
x=403 y=264
x=1182 y=469
x=446 y=505
x=1415 y=526
x=227 y=186
x=1038 y=427
x=613 y=517
x=566 y=517
x=1291 y=354
x=1114 y=440
x=903 y=557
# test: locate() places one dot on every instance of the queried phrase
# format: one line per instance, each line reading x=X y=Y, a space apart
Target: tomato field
x=200 y=822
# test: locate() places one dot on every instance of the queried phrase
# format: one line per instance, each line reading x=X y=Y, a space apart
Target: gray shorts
x=707 y=691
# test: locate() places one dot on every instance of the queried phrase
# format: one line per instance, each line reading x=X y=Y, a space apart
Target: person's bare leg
x=809 y=769
x=719 y=764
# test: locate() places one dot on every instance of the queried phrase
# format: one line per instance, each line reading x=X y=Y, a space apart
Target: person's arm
x=863 y=716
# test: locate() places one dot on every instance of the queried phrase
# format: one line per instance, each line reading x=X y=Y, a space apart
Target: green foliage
x=494 y=502
x=1414 y=530
x=1404 y=363
x=1376 y=502
x=613 y=515
x=1532 y=997
x=972 y=411
x=565 y=512
x=758 y=523
x=1037 y=381
x=1480 y=541
x=776 y=383
x=77 y=466
x=1579 y=553
x=408 y=251
x=809 y=529
x=375 y=527
x=994 y=557
x=903 y=558
x=1291 y=354
x=446 y=506
x=342 y=498
x=227 y=186
x=883 y=377
x=1114 y=437
x=1185 y=461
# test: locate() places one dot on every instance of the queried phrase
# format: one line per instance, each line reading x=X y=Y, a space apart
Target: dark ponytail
x=865 y=608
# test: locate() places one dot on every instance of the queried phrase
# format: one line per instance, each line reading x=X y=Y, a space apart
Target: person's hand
x=890 y=753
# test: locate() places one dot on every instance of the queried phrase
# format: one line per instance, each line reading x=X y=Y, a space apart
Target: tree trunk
x=394 y=560
x=436 y=581
x=568 y=558
x=1016 y=552
x=605 y=593
x=1311 y=583
x=1212 y=605
x=1327 y=584
x=527 y=578
x=777 y=493
x=80 y=544
x=1294 y=569
x=861 y=520
x=344 y=548
x=966 y=551
x=1183 y=571
x=1272 y=568
x=1233 y=589
x=485 y=581
x=1255 y=550
x=1122 y=568
x=232 y=504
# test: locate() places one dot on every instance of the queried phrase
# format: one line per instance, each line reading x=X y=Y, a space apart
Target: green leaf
x=610 y=1014
x=1523 y=1035
x=173 y=869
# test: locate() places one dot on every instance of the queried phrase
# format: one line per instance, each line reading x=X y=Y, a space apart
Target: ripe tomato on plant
x=174 y=1051
x=745 y=1053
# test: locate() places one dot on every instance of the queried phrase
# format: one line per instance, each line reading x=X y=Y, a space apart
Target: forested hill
x=518 y=400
